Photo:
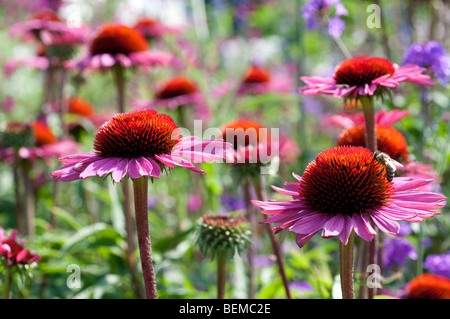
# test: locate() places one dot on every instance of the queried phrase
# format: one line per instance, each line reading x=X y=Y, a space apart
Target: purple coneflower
x=117 y=44
x=364 y=76
x=345 y=191
x=140 y=144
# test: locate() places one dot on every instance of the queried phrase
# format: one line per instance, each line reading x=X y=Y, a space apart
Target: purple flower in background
x=316 y=13
x=301 y=286
x=431 y=55
x=438 y=264
x=397 y=251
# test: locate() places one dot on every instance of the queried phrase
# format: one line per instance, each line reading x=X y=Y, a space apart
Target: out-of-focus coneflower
x=345 y=191
x=177 y=92
x=153 y=29
x=117 y=44
x=42 y=143
x=15 y=258
x=15 y=252
x=21 y=144
x=389 y=140
x=428 y=286
x=256 y=80
x=252 y=145
x=220 y=237
x=46 y=20
x=140 y=144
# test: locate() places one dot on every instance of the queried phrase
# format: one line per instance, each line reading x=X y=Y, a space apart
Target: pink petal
x=310 y=223
x=386 y=225
x=363 y=227
x=120 y=171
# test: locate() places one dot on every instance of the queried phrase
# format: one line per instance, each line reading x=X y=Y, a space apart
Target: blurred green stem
x=29 y=199
x=371 y=144
x=221 y=274
x=140 y=186
x=251 y=249
x=369 y=119
x=7 y=293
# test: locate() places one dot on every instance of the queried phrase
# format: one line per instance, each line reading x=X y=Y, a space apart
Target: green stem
x=119 y=77
x=346 y=267
x=7 y=293
x=221 y=274
x=140 y=186
x=371 y=144
x=251 y=250
x=30 y=200
x=275 y=247
x=369 y=119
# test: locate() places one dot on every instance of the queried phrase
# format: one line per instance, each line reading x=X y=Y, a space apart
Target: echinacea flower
x=138 y=143
x=153 y=29
x=345 y=189
x=46 y=20
x=316 y=13
x=431 y=55
x=32 y=141
x=364 y=77
x=428 y=286
x=389 y=140
x=117 y=44
x=251 y=142
x=14 y=252
x=222 y=234
x=257 y=80
x=221 y=237
x=177 y=91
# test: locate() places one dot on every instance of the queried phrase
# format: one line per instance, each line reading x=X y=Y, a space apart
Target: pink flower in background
x=119 y=44
x=257 y=80
x=251 y=142
x=139 y=143
x=33 y=141
x=153 y=29
x=381 y=117
x=344 y=189
x=14 y=251
x=364 y=76
x=178 y=91
x=46 y=20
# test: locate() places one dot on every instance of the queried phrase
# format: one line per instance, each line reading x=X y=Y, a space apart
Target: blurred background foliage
x=90 y=228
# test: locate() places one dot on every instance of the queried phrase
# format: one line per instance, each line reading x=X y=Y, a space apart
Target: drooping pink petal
x=386 y=225
x=363 y=227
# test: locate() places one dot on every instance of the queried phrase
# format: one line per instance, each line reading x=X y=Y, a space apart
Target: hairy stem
x=346 y=268
x=140 y=186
